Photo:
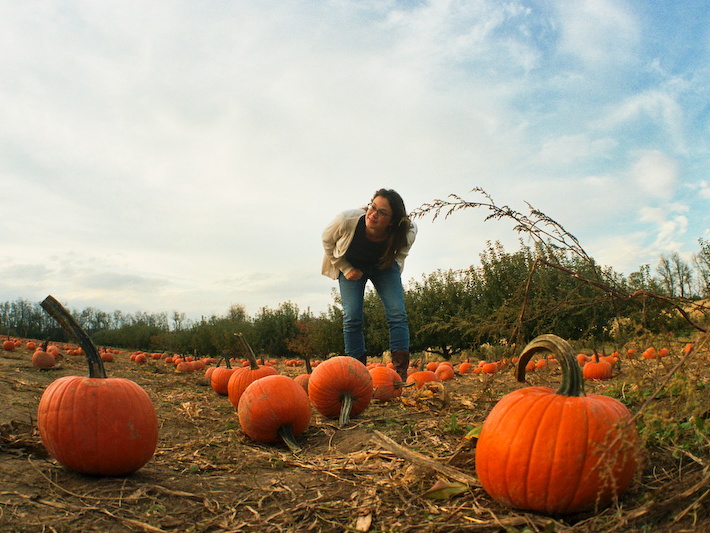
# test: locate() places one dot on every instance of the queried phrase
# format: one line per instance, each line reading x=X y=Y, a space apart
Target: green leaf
x=474 y=433
x=442 y=490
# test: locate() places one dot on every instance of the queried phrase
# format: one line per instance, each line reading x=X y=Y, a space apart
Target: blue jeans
x=388 y=284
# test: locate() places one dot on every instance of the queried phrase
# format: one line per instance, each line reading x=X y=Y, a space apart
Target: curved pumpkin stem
x=251 y=357
x=572 y=378
x=68 y=324
x=345 y=409
x=286 y=434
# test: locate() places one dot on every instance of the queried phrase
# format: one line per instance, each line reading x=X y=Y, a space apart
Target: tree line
x=508 y=297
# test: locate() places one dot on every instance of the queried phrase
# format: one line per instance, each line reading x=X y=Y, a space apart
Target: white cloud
x=620 y=251
x=598 y=32
x=655 y=174
x=574 y=149
x=668 y=226
x=655 y=107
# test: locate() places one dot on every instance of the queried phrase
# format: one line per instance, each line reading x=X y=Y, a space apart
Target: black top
x=363 y=253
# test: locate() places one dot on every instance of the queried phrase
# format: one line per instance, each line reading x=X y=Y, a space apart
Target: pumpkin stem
x=253 y=364
x=572 y=378
x=68 y=324
x=286 y=434
x=346 y=408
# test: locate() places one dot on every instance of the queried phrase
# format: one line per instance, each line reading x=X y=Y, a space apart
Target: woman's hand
x=354 y=275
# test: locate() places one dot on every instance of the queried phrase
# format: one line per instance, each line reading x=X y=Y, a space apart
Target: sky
x=185 y=156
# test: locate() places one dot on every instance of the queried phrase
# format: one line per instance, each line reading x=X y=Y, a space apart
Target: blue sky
x=186 y=155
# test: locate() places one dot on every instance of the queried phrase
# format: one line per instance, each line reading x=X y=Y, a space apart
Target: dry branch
x=418 y=459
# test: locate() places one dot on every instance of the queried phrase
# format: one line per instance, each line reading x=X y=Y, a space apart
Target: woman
x=371 y=244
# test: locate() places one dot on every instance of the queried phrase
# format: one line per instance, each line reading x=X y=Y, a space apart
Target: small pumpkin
x=386 y=383
x=42 y=359
x=219 y=378
x=556 y=452
x=421 y=377
x=95 y=425
x=340 y=387
x=649 y=353
x=597 y=368
x=445 y=372
x=274 y=408
x=465 y=368
x=302 y=380
x=490 y=368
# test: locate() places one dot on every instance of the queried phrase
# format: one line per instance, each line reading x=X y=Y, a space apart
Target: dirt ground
x=372 y=475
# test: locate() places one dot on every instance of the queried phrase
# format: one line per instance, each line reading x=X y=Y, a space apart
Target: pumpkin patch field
x=404 y=460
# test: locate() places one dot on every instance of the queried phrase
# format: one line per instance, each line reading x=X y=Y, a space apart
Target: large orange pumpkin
x=274 y=408
x=556 y=452
x=95 y=425
x=340 y=387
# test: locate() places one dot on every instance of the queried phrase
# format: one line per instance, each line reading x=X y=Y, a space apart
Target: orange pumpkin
x=220 y=377
x=489 y=368
x=42 y=359
x=445 y=372
x=242 y=377
x=597 y=368
x=274 y=408
x=95 y=425
x=556 y=452
x=386 y=383
x=465 y=368
x=432 y=366
x=302 y=380
x=421 y=377
x=649 y=353
x=340 y=387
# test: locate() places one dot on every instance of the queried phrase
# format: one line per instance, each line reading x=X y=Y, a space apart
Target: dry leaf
x=363 y=523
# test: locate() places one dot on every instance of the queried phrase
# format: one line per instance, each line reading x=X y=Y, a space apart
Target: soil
x=371 y=475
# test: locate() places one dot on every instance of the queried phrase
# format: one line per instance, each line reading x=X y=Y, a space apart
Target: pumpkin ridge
x=536 y=416
x=547 y=444
x=569 y=497
x=500 y=420
x=621 y=472
x=73 y=391
x=511 y=424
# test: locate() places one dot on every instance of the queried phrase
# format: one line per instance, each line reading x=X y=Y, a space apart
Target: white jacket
x=337 y=237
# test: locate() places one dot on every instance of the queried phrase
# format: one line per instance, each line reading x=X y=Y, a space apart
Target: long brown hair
x=398 y=230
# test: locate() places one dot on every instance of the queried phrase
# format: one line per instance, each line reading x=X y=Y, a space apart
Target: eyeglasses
x=379 y=212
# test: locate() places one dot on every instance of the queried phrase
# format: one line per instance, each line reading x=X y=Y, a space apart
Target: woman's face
x=379 y=214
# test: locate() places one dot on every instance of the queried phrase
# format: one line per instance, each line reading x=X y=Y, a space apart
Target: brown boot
x=400 y=360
